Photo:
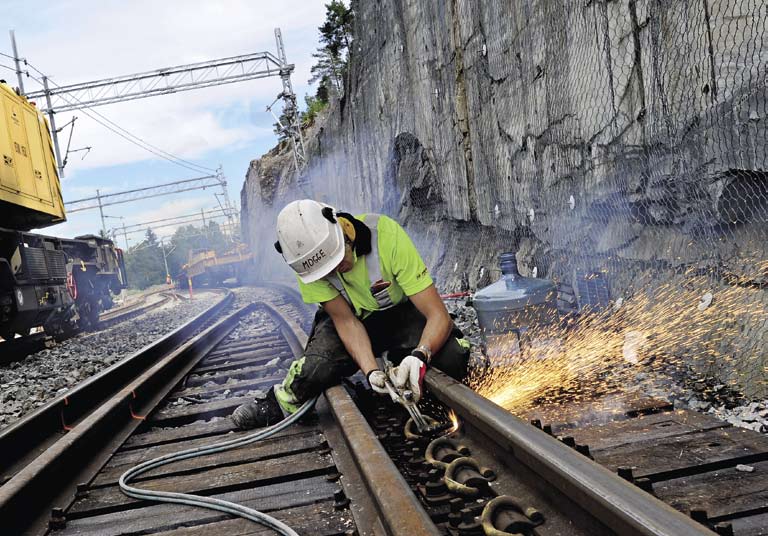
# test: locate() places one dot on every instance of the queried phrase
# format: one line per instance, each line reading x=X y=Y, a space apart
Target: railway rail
x=656 y=472
x=121 y=314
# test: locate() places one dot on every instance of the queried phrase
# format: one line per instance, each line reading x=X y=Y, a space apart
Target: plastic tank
x=514 y=303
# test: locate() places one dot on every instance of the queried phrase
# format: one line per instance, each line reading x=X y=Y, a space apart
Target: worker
x=375 y=295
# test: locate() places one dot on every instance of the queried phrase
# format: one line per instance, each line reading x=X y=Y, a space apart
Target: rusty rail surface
x=51 y=478
x=31 y=435
x=382 y=499
x=615 y=503
x=115 y=316
x=398 y=509
x=54 y=476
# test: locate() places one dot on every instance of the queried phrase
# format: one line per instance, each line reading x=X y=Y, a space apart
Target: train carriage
x=57 y=283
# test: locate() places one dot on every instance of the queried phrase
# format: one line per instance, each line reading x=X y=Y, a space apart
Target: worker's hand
x=409 y=375
x=377 y=379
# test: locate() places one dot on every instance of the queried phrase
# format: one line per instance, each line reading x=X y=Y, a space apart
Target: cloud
x=189 y=134
x=175 y=208
x=76 y=41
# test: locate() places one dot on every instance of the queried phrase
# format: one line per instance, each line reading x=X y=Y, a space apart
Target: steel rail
x=51 y=479
x=115 y=316
x=399 y=510
x=30 y=436
x=614 y=502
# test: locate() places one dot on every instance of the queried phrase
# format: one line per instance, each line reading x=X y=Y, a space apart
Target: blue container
x=514 y=303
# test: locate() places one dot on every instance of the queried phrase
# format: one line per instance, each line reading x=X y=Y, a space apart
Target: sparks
x=602 y=351
x=454 y=420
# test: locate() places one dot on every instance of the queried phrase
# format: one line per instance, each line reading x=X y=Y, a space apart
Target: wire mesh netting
x=619 y=147
x=624 y=144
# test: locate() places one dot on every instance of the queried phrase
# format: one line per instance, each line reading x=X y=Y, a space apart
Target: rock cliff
x=610 y=139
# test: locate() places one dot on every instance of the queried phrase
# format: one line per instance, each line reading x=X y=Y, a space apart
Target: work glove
x=409 y=374
x=377 y=379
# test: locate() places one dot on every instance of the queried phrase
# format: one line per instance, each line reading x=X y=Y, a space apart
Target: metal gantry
x=161 y=81
x=203 y=217
x=99 y=201
x=172 y=80
x=291 y=109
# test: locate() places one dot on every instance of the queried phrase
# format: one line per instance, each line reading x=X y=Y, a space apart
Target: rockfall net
x=620 y=147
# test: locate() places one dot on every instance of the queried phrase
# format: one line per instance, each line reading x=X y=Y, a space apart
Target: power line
x=168 y=156
x=203 y=213
x=125 y=134
x=127 y=196
x=173 y=79
x=181 y=223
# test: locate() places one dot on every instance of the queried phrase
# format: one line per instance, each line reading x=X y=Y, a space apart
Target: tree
x=314 y=106
x=282 y=127
x=333 y=55
x=322 y=90
x=144 y=262
x=150 y=237
x=189 y=238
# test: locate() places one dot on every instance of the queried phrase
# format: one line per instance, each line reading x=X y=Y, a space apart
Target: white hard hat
x=310 y=242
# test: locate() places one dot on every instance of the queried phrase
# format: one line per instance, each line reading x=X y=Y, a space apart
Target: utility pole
x=101 y=211
x=165 y=261
x=227 y=204
x=17 y=62
x=54 y=131
x=115 y=229
x=125 y=236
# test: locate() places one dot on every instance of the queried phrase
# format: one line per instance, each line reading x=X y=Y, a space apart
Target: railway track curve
x=356 y=467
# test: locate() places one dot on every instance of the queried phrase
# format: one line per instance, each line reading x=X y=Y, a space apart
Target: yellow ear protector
x=348 y=228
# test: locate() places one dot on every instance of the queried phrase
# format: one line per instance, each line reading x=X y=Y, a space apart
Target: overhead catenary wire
x=209 y=502
x=141 y=142
x=122 y=132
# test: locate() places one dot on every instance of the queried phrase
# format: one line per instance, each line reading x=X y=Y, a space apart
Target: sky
x=84 y=40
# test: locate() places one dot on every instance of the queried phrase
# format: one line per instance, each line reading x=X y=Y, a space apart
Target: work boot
x=259 y=413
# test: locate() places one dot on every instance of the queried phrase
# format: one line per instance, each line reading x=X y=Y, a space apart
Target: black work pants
x=396 y=330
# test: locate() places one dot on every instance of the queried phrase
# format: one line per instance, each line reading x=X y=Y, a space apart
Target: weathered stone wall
x=623 y=137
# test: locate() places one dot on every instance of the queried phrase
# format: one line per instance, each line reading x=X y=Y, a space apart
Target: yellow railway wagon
x=30 y=192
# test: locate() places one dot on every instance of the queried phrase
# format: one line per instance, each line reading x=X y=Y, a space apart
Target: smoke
x=271 y=183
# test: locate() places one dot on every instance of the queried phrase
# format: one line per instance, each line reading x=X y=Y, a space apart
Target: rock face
x=623 y=138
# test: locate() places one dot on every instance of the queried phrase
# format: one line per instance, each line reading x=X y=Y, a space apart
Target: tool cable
x=209 y=502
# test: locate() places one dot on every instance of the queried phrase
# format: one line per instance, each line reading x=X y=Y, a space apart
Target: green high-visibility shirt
x=399 y=262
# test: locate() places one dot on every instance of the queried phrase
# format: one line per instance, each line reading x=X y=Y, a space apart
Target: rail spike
x=441 y=451
x=472 y=483
x=505 y=511
x=411 y=432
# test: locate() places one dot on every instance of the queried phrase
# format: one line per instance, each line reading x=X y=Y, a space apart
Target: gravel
x=35 y=381
x=252 y=326
x=753 y=415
